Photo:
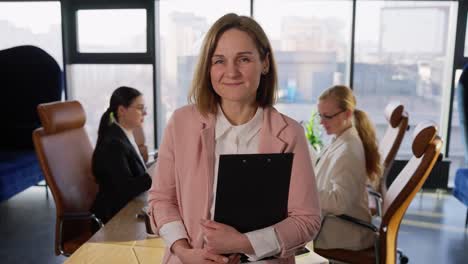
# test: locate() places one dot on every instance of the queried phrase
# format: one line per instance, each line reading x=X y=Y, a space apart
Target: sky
x=25 y=15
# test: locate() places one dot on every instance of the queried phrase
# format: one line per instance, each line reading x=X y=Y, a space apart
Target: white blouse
x=131 y=138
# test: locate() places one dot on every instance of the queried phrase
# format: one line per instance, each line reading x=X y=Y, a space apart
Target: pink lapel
x=207 y=135
x=273 y=124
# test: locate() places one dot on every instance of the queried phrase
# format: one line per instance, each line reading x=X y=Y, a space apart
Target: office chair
x=28 y=76
x=65 y=153
x=426 y=149
x=397 y=119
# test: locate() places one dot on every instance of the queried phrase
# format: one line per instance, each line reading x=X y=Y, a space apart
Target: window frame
x=73 y=56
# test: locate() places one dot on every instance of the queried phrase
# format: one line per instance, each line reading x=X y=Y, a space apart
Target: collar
x=351 y=131
x=247 y=130
x=336 y=141
x=127 y=133
x=271 y=140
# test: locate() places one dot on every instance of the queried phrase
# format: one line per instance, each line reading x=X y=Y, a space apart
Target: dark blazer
x=120 y=173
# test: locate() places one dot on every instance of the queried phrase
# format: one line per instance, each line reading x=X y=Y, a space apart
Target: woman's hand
x=187 y=254
x=223 y=239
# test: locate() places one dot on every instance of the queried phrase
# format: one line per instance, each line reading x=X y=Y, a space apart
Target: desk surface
x=124 y=240
x=126 y=228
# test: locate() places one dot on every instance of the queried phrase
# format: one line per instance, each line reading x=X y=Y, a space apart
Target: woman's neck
x=343 y=130
x=238 y=114
x=125 y=127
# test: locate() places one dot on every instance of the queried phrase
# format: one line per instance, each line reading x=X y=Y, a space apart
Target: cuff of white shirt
x=173 y=231
x=264 y=243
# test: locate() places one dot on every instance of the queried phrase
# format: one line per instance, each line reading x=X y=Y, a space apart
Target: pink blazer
x=183 y=178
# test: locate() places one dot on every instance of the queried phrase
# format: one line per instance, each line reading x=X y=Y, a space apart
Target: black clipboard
x=252 y=190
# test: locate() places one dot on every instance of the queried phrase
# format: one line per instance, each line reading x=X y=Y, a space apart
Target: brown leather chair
x=65 y=153
x=389 y=145
x=426 y=149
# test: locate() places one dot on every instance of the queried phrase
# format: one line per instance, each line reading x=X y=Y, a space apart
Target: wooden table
x=124 y=240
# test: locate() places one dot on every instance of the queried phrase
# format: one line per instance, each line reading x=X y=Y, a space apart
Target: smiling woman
x=233 y=91
x=236 y=69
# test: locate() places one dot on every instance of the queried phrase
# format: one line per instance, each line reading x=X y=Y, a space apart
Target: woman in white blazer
x=343 y=169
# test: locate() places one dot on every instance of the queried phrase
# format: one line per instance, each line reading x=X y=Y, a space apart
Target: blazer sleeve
x=346 y=179
x=162 y=196
x=115 y=163
x=304 y=216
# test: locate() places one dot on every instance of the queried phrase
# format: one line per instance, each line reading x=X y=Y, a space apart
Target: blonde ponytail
x=366 y=132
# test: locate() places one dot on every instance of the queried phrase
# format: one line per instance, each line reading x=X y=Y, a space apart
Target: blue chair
x=28 y=76
x=460 y=190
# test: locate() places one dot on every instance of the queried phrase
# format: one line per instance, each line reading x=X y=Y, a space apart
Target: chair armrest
x=377 y=197
x=81 y=216
x=374 y=193
x=74 y=216
x=358 y=222
x=350 y=219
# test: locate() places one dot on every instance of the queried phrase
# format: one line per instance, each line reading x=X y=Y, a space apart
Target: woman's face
x=334 y=119
x=133 y=115
x=236 y=67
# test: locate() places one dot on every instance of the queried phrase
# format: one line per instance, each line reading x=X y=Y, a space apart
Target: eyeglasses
x=142 y=108
x=329 y=117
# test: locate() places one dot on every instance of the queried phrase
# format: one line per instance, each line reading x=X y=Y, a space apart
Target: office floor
x=432 y=231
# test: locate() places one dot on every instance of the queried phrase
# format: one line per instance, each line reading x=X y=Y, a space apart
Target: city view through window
x=403 y=52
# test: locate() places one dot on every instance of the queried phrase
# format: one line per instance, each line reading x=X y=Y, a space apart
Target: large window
x=108 y=48
x=111 y=30
x=182 y=25
x=404 y=52
x=32 y=23
x=312 y=43
x=93 y=85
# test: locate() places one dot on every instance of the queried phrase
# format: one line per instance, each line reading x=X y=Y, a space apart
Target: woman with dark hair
x=117 y=164
x=233 y=93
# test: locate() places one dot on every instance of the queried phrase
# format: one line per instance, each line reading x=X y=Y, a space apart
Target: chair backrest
x=397 y=119
x=426 y=149
x=29 y=76
x=65 y=153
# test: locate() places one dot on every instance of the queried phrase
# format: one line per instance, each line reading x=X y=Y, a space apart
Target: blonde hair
x=202 y=93
x=346 y=101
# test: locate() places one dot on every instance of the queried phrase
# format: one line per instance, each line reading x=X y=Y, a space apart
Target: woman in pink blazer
x=233 y=90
